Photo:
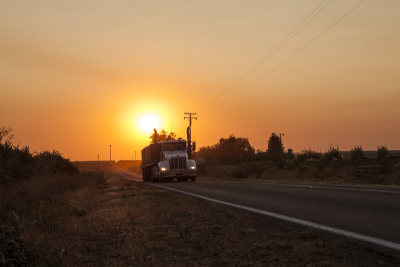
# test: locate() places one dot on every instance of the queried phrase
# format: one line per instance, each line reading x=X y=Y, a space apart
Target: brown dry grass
x=99 y=219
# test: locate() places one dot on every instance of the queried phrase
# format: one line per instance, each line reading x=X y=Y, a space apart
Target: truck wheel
x=143 y=175
x=193 y=179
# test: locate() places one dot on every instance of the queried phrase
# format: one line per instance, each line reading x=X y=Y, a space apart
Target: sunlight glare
x=148 y=122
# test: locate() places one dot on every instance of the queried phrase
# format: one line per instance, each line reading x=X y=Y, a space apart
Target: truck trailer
x=167 y=160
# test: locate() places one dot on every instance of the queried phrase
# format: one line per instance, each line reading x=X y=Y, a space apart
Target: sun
x=148 y=122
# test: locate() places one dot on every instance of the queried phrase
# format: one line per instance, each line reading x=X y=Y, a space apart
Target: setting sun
x=148 y=122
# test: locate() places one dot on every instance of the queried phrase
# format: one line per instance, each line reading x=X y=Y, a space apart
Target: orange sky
x=76 y=76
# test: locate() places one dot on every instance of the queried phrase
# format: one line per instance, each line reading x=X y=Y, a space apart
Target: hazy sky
x=76 y=76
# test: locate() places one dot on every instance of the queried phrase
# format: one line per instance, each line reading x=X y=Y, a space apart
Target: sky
x=79 y=76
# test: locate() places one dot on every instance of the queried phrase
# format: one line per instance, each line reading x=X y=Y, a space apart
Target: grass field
x=99 y=219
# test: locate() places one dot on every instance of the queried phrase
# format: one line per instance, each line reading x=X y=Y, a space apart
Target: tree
x=172 y=136
x=275 y=146
x=229 y=150
x=163 y=136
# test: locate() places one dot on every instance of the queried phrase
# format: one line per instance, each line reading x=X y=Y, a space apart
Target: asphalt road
x=372 y=211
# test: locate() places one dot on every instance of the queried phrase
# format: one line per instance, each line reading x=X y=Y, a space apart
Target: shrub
x=332 y=153
x=19 y=163
x=356 y=153
x=383 y=157
x=383 y=152
x=321 y=163
x=310 y=154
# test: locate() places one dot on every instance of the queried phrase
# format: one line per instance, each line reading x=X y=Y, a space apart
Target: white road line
x=365 y=238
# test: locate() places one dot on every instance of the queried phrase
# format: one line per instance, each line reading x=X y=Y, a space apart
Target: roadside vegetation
x=306 y=166
x=19 y=163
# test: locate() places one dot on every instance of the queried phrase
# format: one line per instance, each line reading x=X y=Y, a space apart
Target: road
x=373 y=211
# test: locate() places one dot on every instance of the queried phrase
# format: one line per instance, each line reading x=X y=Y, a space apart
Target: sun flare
x=148 y=122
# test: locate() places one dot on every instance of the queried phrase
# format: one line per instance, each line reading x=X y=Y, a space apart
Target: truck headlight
x=193 y=168
x=163 y=169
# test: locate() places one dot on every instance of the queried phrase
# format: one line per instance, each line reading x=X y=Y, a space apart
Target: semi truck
x=168 y=160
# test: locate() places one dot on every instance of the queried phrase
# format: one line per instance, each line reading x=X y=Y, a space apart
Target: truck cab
x=167 y=160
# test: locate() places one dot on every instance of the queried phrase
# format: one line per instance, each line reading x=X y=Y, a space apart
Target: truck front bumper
x=178 y=174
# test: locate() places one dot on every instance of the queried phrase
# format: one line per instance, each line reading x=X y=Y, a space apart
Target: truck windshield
x=174 y=146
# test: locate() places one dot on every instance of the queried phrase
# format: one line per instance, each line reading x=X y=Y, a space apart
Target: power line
x=272 y=52
x=206 y=134
x=301 y=49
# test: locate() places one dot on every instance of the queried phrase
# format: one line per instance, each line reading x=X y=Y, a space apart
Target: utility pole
x=98 y=157
x=110 y=152
x=189 y=132
x=190 y=117
x=135 y=156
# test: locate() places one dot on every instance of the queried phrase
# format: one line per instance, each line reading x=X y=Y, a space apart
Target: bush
x=356 y=153
x=332 y=153
x=19 y=163
x=322 y=163
x=383 y=152
x=383 y=157
x=53 y=163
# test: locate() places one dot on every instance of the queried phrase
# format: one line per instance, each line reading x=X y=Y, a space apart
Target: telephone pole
x=135 y=156
x=189 y=132
x=190 y=117
x=98 y=157
x=110 y=152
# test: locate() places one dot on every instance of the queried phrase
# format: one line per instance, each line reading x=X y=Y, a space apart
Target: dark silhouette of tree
x=275 y=146
x=228 y=150
x=163 y=136
x=171 y=136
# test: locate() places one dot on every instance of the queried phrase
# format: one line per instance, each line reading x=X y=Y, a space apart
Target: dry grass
x=101 y=220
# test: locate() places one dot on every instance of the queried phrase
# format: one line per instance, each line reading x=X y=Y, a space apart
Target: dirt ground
x=102 y=220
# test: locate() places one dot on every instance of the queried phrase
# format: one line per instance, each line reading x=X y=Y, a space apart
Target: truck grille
x=178 y=164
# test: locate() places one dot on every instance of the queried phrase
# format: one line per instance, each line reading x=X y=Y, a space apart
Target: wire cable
x=272 y=52
x=205 y=134
x=293 y=55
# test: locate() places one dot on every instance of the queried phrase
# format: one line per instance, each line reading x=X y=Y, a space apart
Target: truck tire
x=143 y=175
x=193 y=179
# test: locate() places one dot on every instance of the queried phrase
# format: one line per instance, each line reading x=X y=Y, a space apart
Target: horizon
x=78 y=77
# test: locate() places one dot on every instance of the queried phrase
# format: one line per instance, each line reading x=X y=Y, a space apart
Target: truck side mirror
x=194 y=146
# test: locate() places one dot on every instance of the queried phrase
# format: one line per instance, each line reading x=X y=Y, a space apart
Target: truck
x=168 y=160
